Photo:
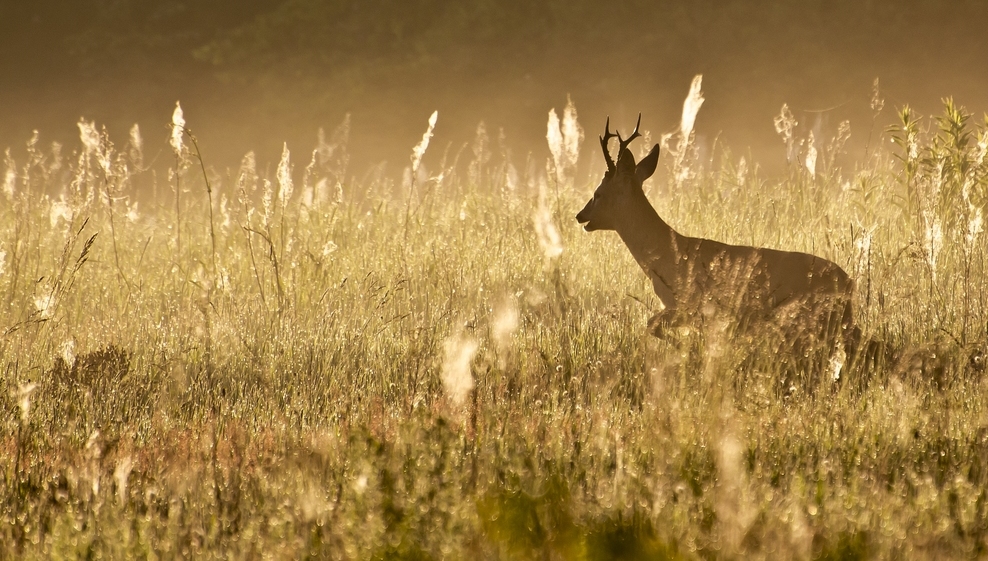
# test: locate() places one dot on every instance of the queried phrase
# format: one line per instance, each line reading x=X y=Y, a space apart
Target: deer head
x=622 y=183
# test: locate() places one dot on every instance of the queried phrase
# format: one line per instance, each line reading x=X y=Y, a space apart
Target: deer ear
x=626 y=161
x=646 y=167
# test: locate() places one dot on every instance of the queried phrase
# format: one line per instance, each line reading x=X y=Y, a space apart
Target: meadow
x=297 y=360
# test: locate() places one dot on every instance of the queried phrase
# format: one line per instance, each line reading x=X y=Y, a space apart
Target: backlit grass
x=281 y=365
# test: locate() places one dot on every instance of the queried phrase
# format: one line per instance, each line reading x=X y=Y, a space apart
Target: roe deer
x=801 y=294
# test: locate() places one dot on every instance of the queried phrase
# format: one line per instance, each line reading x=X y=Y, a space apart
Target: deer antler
x=634 y=135
x=607 y=136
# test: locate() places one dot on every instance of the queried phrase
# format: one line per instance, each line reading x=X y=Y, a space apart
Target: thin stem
x=250 y=250
x=209 y=196
x=113 y=230
x=178 y=208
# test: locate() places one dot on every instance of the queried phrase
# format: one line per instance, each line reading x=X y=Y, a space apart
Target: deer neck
x=647 y=236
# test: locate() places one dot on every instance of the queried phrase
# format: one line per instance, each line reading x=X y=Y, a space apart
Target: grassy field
x=290 y=361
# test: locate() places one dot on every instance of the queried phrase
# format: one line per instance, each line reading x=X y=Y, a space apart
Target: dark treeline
x=254 y=74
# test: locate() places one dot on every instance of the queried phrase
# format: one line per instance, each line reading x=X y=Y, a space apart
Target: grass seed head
x=60 y=210
x=554 y=137
x=691 y=106
x=45 y=304
x=934 y=241
x=89 y=137
x=284 y=175
x=267 y=201
x=785 y=125
x=10 y=176
x=419 y=151
x=23 y=397
x=549 y=238
x=67 y=350
x=811 y=154
x=456 y=373
x=975 y=226
x=505 y=322
x=564 y=137
x=178 y=127
x=136 y=151
x=132 y=215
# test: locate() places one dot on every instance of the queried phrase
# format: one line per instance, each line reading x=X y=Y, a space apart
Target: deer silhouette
x=806 y=296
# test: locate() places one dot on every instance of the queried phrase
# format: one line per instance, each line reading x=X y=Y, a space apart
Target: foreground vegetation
x=301 y=364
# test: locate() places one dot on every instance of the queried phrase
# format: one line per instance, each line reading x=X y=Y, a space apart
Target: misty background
x=253 y=75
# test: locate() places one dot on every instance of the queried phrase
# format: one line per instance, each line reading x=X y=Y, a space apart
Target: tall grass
x=235 y=365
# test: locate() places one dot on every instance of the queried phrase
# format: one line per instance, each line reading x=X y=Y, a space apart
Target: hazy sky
x=252 y=75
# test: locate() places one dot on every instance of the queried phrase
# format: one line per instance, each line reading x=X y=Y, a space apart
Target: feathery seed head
x=836 y=363
x=811 y=154
x=60 y=210
x=505 y=322
x=456 y=373
x=10 y=176
x=785 y=122
x=132 y=214
x=178 y=127
x=96 y=144
x=136 y=146
x=284 y=175
x=23 y=398
x=572 y=133
x=934 y=241
x=691 y=106
x=67 y=350
x=267 y=201
x=974 y=226
x=564 y=137
x=45 y=304
x=555 y=137
x=247 y=179
x=89 y=137
x=545 y=229
x=877 y=101
x=423 y=144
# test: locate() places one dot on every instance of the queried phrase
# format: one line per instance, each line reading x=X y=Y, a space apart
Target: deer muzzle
x=583 y=217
